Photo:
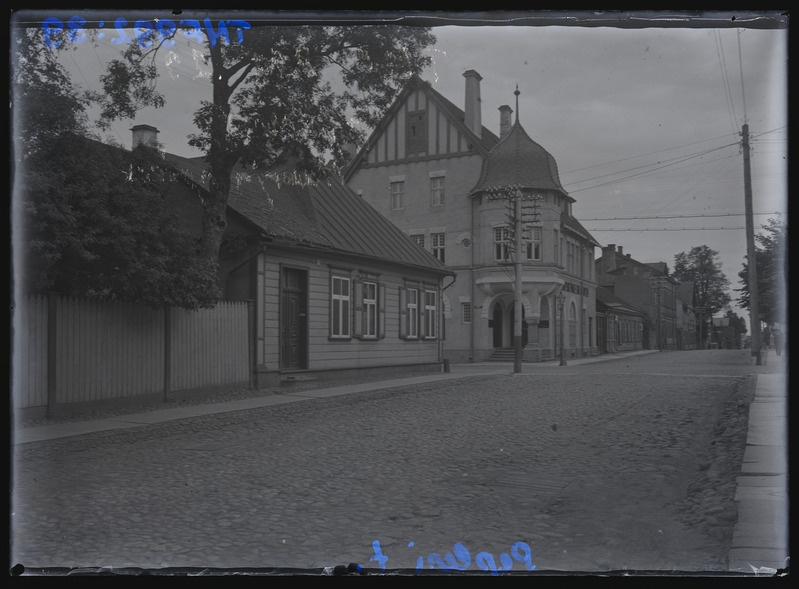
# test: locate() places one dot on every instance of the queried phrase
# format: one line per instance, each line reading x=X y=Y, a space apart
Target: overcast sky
x=644 y=123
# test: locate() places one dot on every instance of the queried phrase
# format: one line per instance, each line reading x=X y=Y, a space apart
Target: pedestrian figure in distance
x=778 y=341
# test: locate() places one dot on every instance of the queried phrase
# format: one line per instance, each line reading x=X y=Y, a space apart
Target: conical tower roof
x=520 y=162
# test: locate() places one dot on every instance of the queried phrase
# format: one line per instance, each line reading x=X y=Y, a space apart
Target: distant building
x=648 y=288
x=433 y=170
x=687 y=337
x=620 y=326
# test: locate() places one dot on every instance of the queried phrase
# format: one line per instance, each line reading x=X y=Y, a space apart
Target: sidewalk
x=760 y=537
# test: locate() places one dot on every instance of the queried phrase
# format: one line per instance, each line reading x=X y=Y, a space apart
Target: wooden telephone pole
x=751 y=262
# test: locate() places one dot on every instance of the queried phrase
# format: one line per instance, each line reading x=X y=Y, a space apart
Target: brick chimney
x=144 y=134
x=473 y=106
x=505 y=124
x=609 y=258
x=621 y=251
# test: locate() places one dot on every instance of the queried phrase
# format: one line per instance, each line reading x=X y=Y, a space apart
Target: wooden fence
x=68 y=350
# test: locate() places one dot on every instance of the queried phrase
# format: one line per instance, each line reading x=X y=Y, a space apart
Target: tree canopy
x=771 y=263
x=90 y=219
x=275 y=89
x=701 y=266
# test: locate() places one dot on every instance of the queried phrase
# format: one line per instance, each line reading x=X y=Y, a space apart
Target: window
x=413 y=312
x=369 y=309
x=466 y=312
x=557 y=248
x=437 y=243
x=437 y=190
x=369 y=315
x=416 y=133
x=418 y=238
x=532 y=244
x=501 y=244
x=430 y=307
x=340 y=307
x=397 y=194
x=570 y=256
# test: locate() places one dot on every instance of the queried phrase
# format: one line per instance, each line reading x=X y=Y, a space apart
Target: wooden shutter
x=381 y=311
x=403 y=312
x=421 y=310
x=357 y=312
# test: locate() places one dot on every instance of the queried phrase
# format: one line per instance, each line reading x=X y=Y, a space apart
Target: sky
x=644 y=121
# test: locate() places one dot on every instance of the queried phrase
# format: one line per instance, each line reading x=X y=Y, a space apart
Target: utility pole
x=751 y=262
x=660 y=313
x=517 y=291
x=562 y=307
x=513 y=196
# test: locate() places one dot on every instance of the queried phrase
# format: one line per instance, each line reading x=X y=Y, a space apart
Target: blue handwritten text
x=460 y=559
x=145 y=32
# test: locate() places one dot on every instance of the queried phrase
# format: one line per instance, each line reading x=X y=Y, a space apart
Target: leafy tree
x=46 y=102
x=701 y=266
x=276 y=89
x=771 y=263
x=91 y=220
x=731 y=335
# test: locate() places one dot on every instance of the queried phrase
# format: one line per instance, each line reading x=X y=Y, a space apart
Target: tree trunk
x=221 y=161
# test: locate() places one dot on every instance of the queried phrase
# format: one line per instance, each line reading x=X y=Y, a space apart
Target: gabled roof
x=607 y=299
x=660 y=267
x=519 y=161
x=323 y=215
x=572 y=224
x=482 y=144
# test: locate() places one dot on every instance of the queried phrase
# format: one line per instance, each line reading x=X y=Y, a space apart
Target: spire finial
x=517 y=102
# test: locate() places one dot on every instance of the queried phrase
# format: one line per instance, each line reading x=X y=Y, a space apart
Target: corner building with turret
x=493 y=210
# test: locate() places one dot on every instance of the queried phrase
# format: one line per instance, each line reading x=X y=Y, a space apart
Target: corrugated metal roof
x=609 y=299
x=318 y=214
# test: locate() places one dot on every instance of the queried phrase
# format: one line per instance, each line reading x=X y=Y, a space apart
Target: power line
x=670 y=229
x=674 y=216
x=725 y=80
x=661 y=165
x=640 y=155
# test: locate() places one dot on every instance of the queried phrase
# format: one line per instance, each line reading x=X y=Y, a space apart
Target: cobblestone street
x=629 y=464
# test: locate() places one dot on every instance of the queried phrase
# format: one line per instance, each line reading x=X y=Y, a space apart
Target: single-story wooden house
x=620 y=326
x=337 y=287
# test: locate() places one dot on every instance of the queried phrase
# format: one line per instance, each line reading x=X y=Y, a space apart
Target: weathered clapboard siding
x=271 y=315
x=69 y=350
x=325 y=353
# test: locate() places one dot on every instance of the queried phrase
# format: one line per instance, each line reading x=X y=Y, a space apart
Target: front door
x=497 y=325
x=294 y=320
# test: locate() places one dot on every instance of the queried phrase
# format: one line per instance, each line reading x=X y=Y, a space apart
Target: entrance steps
x=501 y=355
